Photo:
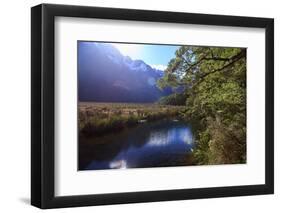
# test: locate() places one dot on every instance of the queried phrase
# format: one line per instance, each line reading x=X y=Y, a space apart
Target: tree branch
x=216 y=59
x=232 y=60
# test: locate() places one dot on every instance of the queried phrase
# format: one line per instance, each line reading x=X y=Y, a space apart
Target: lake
x=149 y=144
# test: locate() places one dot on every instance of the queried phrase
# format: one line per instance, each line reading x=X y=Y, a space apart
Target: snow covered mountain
x=106 y=75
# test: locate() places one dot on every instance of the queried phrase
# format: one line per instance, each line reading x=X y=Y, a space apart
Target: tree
x=214 y=81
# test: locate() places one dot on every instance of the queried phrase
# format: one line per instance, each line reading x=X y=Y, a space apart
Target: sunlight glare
x=131 y=50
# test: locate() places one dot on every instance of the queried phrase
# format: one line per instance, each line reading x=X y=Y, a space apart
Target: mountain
x=105 y=75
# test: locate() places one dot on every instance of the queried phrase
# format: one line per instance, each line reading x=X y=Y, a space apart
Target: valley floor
x=97 y=118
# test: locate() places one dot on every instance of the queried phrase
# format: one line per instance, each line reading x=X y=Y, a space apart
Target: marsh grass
x=100 y=118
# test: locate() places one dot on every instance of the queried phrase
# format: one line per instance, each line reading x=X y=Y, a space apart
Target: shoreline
x=102 y=118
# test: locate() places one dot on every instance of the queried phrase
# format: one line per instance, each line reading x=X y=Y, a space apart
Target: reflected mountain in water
x=152 y=144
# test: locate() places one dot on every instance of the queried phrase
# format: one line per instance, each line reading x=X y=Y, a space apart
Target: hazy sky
x=157 y=56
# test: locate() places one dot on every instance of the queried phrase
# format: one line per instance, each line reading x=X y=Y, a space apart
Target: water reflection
x=173 y=135
x=162 y=143
x=119 y=164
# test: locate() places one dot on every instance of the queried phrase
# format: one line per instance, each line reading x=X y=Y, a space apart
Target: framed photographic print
x=139 y=106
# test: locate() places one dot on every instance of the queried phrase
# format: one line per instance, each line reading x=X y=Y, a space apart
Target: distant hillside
x=105 y=75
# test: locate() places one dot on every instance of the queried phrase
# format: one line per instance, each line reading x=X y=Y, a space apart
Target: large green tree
x=213 y=80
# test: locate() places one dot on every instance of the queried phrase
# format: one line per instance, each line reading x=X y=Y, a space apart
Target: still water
x=150 y=144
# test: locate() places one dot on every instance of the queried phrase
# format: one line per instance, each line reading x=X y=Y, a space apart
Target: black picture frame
x=43 y=117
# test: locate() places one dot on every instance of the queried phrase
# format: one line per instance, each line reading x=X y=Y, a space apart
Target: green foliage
x=215 y=91
x=168 y=80
x=177 y=99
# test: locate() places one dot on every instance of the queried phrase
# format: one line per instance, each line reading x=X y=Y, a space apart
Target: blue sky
x=157 y=56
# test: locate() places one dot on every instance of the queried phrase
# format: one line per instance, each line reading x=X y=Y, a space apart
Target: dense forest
x=212 y=82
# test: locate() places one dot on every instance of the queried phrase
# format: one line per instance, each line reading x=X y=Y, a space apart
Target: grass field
x=100 y=118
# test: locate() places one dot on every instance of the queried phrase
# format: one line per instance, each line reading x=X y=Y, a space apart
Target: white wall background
x=15 y=105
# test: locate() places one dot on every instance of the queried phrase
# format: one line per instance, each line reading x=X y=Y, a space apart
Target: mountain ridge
x=105 y=75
